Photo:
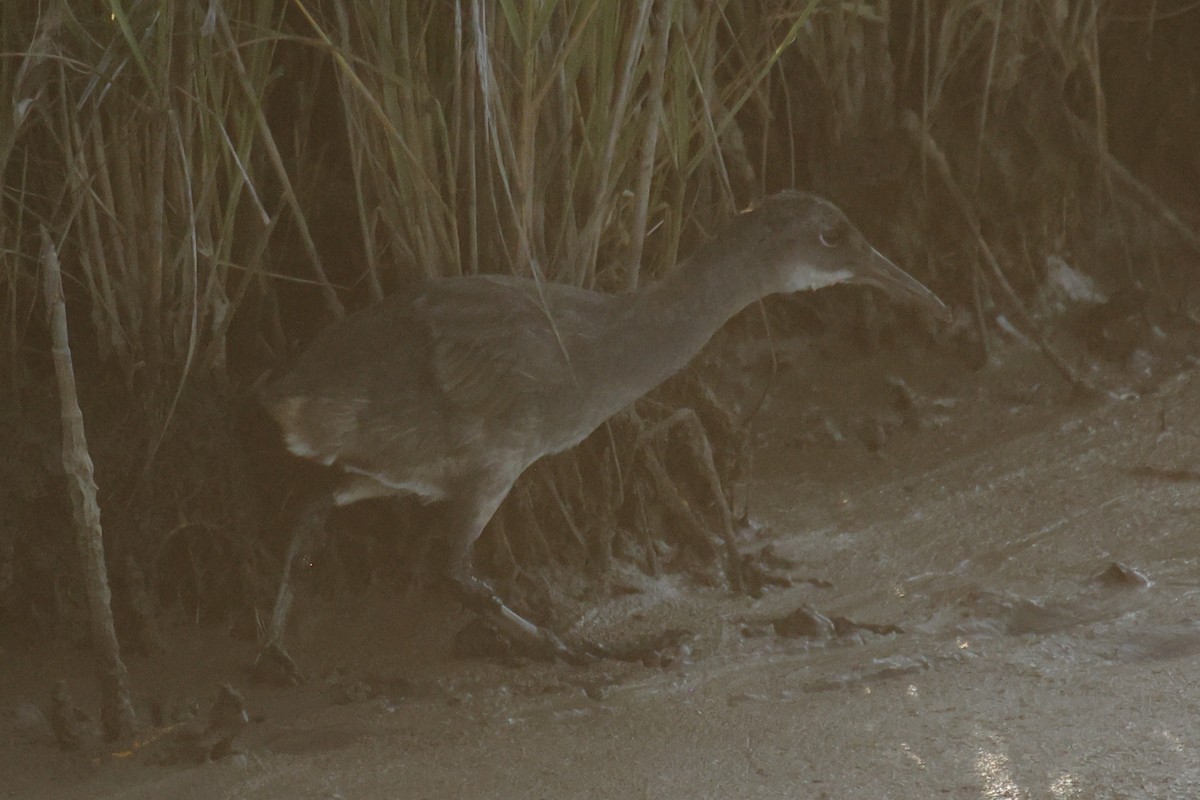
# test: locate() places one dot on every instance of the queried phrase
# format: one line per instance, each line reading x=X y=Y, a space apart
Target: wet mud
x=1000 y=600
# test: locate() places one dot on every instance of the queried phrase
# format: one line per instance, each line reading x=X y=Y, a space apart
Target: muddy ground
x=983 y=525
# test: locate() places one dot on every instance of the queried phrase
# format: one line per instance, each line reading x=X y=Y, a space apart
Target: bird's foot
x=577 y=655
x=515 y=635
x=518 y=634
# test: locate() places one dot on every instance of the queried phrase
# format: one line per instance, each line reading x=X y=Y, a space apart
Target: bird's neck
x=667 y=323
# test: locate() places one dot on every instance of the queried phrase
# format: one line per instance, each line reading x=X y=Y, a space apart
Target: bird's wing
x=495 y=347
x=433 y=370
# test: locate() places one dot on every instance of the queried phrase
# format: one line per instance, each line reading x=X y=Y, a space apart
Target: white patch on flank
x=297 y=445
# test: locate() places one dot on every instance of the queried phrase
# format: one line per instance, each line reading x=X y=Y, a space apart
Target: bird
x=451 y=390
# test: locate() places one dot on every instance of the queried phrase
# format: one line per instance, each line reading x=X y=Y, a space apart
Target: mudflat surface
x=983 y=523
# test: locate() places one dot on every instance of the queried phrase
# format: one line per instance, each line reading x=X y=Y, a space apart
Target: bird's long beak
x=885 y=275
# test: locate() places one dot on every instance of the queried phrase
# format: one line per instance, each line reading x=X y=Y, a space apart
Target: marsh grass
x=582 y=141
x=202 y=165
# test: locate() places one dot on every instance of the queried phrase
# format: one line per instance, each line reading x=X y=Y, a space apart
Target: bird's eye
x=835 y=234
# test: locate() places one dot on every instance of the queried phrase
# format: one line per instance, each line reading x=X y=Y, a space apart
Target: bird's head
x=805 y=242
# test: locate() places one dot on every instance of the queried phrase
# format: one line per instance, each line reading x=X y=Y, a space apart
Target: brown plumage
x=452 y=390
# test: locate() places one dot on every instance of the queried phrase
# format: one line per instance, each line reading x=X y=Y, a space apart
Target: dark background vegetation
x=223 y=179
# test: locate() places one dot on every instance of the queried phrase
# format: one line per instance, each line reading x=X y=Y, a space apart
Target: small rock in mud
x=808 y=623
x=1121 y=576
x=804 y=623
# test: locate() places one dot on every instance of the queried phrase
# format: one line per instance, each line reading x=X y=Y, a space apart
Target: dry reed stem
x=116 y=710
x=1136 y=187
x=645 y=176
x=935 y=156
x=281 y=173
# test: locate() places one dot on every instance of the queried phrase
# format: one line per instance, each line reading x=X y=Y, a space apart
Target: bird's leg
x=477 y=595
x=308 y=529
x=482 y=599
